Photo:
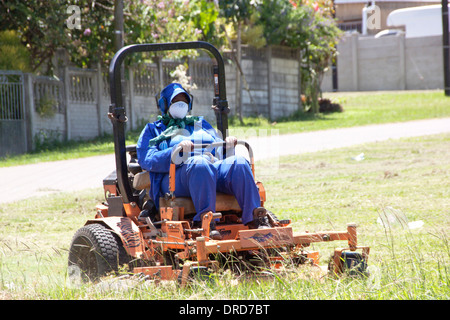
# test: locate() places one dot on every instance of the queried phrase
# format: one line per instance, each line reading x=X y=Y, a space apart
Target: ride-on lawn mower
x=128 y=230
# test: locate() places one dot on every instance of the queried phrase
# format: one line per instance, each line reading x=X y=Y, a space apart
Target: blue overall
x=201 y=175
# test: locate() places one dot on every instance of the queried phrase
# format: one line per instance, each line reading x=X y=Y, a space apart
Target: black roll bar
x=117 y=112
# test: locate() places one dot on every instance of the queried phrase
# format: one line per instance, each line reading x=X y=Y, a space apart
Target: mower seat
x=141 y=181
x=224 y=202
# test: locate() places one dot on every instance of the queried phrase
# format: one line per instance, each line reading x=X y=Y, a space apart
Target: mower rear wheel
x=94 y=252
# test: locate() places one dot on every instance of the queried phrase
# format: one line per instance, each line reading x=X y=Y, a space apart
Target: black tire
x=351 y=264
x=354 y=264
x=273 y=216
x=94 y=252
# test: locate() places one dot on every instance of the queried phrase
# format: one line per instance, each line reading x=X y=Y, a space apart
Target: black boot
x=260 y=220
x=213 y=233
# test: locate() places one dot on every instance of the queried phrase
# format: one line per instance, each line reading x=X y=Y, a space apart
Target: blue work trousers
x=200 y=177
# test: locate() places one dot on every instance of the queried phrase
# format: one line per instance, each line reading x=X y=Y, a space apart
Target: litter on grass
x=359 y=157
x=391 y=217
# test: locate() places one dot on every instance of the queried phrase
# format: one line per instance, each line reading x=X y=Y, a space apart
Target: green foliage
x=203 y=14
x=243 y=14
x=94 y=42
x=46 y=140
x=162 y=21
x=43 y=29
x=309 y=27
x=144 y=22
x=277 y=17
x=300 y=24
x=46 y=106
x=236 y=10
x=40 y=25
x=253 y=35
x=13 y=54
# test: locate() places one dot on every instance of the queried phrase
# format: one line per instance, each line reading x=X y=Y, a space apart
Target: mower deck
x=143 y=241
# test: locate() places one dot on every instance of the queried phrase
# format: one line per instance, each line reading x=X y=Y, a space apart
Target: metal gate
x=13 y=137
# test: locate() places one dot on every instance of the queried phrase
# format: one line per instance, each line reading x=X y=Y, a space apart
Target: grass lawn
x=399 y=182
x=360 y=108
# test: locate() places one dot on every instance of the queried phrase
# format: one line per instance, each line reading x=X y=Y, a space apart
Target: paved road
x=25 y=181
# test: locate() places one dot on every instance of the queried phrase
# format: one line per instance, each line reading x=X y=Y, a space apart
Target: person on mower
x=201 y=175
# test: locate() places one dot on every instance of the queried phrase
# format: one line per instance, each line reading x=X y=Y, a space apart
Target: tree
x=305 y=25
x=320 y=49
x=238 y=13
x=43 y=27
x=94 y=41
x=204 y=15
x=39 y=25
x=13 y=54
x=162 y=21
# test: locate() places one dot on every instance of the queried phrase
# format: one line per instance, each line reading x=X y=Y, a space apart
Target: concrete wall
x=256 y=102
x=285 y=87
x=349 y=13
x=424 y=63
x=272 y=77
x=388 y=63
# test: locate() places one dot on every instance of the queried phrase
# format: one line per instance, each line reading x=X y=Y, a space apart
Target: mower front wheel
x=350 y=264
x=94 y=252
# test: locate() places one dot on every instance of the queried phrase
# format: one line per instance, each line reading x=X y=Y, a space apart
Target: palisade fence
x=74 y=105
x=13 y=135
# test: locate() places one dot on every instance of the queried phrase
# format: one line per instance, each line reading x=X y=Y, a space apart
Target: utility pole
x=334 y=61
x=445 y=45
x=118 y=24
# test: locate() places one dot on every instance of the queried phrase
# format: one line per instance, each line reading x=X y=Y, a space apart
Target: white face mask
x=178 y=110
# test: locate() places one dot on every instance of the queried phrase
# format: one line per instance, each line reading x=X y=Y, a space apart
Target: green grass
x=401 y=179
x=360 y=109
